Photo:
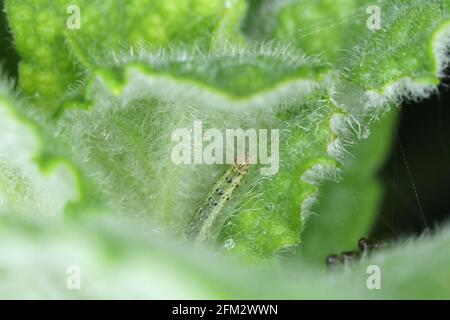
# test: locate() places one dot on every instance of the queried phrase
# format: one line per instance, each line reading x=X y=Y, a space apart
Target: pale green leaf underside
x=149 y=268
x=31 y=182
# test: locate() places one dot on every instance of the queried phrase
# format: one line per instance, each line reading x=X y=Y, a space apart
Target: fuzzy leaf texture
x=262 y=86
x=131 y=84
x=37 y=178
x=55 y=56
x=172 y=193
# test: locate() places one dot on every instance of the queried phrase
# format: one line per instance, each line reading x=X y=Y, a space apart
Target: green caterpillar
x=205 y=225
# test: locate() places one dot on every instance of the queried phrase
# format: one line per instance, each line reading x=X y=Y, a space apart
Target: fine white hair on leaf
x=244 y=54
x=144 y=81
x=349 y=124
x=158 y=85
x=306 y=206
x=441 y=49
x=34 y=188
x=404 y=89
x=321 y=172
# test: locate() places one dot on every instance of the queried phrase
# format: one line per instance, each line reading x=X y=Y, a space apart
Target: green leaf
x=24 y=188
x=58 y=41
x=406 y=57
x=228 y=89
x=36 y=178
x=324 y=27
x=346 y=210
x=136 y=92
x=126 y=141
x=117 y=261
x=107 y=253
x=140 y=98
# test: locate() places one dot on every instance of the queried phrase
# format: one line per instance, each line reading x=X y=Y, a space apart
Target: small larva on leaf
x=205 y=224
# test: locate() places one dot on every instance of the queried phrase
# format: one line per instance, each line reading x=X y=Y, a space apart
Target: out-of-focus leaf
x=119 y=262
x=8 y=55
x=36 y=179
x=126 y=141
